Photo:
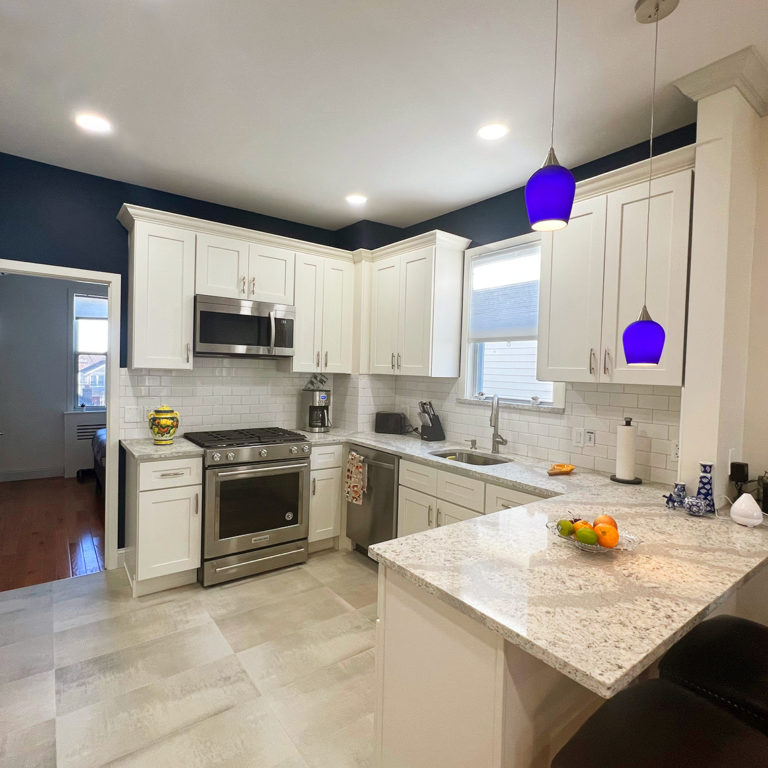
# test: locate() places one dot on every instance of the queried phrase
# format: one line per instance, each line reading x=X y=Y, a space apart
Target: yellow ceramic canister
x=163 y=422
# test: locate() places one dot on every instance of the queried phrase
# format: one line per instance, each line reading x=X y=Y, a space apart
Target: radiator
x=79 y=428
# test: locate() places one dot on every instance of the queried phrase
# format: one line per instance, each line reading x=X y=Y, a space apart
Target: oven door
x=255 y=505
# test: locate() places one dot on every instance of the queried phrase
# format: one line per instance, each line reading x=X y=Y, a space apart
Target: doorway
x=59 y=412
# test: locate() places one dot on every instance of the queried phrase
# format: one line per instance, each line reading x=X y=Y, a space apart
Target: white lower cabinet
x=419 y=511
x=448 y=513
x=163 y=522
x=169 y=531
x=497 y=498
x=325 y=504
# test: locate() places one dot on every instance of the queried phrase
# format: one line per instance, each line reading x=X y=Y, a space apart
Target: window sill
x=514 y=406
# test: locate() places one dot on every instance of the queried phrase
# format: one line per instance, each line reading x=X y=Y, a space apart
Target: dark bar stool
x=657 y=724
x=725 y=660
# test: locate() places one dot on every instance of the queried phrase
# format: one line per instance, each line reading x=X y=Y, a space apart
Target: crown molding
x=130 y=214
x=670 y=162
x=435 y=237
x=744 y=70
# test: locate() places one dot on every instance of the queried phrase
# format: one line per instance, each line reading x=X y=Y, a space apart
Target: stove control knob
x=305 y=449
x=216 y=456
x=263 y=452
x=294 y=449
x=230 y=455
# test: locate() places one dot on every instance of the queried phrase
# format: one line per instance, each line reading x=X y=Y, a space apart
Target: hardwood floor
x=49 y=529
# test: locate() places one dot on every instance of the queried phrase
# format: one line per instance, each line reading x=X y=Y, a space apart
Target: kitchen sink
x=467 y=457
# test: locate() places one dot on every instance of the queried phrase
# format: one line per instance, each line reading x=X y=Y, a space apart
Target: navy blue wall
x=50 y=215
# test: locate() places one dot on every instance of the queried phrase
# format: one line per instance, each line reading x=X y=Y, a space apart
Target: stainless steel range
x=256 y=509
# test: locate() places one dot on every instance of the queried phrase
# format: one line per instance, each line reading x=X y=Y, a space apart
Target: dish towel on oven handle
x=356 y=478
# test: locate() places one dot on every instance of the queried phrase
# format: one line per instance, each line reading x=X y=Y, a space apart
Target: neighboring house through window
x=503 y=327
x=90 y=338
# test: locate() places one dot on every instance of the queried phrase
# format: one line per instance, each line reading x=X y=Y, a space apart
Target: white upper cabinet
x=592 y=278
x=324 y=311
x=270 y=274
x=667 y=275
x=415 y=318
x=571 y=296
x=162 y=293
x=221 y=267
x=385 y=301
x=338 y=308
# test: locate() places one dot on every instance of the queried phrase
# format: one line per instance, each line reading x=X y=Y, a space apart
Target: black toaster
x=389 y=423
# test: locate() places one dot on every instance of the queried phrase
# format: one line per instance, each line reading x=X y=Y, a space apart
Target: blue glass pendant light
x=549 y=192
x=644 y=339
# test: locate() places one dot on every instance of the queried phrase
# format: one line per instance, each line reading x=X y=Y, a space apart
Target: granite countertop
x=143 y=449
x=599 y=618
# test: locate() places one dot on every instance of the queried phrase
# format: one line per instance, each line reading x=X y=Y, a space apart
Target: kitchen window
x=89 y=343
x=503 y=327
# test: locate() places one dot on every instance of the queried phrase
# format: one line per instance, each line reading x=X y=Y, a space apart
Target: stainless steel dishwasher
x=375 y=519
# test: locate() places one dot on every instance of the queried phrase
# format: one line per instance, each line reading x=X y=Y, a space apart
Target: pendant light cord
x=554 y=77
x=650 y=143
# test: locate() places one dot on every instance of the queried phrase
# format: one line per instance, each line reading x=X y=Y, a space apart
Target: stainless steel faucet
x=497 y=439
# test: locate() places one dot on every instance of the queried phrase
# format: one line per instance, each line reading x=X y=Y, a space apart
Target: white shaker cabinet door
x=667 y=275
x=270 y=274
x=169 y=531
x=307 y=330
x=571 y=296
x=221 y=267
x=448 y=513
x=338 y=308
x=162 y=296
x=385 y=292
x=324 y=504
x=416 y=301
x=415 y=511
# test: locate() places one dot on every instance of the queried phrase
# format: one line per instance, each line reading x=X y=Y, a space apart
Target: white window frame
x=99 y=291
x=467 y=358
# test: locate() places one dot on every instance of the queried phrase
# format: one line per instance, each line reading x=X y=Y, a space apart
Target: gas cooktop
x=233 y=438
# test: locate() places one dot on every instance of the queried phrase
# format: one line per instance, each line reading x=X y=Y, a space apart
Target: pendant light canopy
x=550 y=191
x=644 y=339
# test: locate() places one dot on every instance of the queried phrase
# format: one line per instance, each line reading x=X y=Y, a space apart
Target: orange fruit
x=607 y=535
x=580 y=524
x=605 y=520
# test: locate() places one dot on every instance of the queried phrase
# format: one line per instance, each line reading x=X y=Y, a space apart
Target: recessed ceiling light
x=493 y=131
x=93 y=123
x=356 y=199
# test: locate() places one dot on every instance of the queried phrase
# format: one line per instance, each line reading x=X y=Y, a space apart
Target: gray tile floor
x=275 y=671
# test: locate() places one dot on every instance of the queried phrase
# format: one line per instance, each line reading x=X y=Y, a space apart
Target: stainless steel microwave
x=226 y=327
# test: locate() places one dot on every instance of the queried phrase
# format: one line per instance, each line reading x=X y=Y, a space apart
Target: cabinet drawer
x=170 y=474
x=418 y=477
x=448 y=513
x=461 y=490
x=498 y=497
x=326 y=457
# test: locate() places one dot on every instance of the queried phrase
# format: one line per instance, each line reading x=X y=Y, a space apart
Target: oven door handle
x=261 y=470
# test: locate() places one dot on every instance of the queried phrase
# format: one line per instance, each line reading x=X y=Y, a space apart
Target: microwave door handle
x=272 y=329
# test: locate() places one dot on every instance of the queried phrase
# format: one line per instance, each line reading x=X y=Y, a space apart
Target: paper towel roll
x=625 y=451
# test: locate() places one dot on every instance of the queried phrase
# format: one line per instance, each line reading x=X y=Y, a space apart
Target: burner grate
x=239 y=437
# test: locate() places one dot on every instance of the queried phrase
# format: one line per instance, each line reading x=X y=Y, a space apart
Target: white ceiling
x=286 y=106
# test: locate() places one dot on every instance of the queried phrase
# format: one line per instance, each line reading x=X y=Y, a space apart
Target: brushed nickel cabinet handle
x=606 y=359
x=591 y=361
x=172 y=474
x=189 y=350
x=398 y=361
x=438 y=517
x=317 y=360
x=393 y=361
x=242 y=286
x=197 y=504
x=314 y=486
x=429 y=515
x=326 y=358
x=253 y=285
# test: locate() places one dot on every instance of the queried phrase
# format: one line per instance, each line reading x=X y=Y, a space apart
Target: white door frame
x=112 y=282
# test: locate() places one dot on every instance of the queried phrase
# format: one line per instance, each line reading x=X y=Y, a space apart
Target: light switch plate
x=577 y=437
x=589 y=438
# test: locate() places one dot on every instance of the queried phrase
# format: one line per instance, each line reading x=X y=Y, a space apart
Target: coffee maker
x=316 y=410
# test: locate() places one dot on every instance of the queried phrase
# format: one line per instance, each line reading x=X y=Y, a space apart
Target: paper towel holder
x=630 y=481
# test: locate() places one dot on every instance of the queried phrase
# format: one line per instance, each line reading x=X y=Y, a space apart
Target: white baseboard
x=31 y=474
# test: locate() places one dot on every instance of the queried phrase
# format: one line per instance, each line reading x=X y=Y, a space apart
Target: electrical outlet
x=589 y=438
x=577 y=437
x=676 y=450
